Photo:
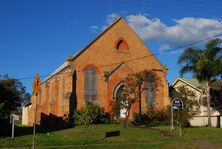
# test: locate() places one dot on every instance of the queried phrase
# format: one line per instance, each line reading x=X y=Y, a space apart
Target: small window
x=121 y=45
x=90 y=85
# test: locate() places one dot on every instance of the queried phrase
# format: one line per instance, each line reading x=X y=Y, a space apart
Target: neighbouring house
x=25 y=110
x=198 y=88
x=96 y=73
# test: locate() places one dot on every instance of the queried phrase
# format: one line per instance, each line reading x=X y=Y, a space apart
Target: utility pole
x=34 y=124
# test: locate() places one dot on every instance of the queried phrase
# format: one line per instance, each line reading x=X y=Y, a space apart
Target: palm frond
x=186 y=69
x=205 y=64
x=186 y=55
x=214 y=53
x=217 y=67
x=190 y=55
x=213 y=43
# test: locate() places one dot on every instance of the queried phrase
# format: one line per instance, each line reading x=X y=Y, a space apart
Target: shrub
x=154 y=116
x=191 y=105
x=91 y=114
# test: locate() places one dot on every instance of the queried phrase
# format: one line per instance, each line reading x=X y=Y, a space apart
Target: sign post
x=13 y=118
x=176 y=104
x=36 y=88
x=13 y=125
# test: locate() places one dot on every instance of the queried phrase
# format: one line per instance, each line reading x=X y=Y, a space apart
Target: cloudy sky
x=37 y=36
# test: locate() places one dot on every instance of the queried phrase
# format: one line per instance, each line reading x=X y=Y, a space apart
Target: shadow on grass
x=49 y=123
x=107 y=135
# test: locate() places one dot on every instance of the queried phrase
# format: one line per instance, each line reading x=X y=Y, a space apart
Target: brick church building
x=96 y=73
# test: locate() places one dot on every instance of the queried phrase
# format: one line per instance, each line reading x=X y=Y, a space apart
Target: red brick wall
x=101 y=54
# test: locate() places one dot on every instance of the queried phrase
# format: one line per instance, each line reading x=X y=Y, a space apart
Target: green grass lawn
x=130 y=138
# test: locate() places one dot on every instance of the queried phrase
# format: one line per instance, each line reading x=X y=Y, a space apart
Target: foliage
x=12 y=95
x=154 y=116
x=133 y=87
x=216 y=94
x=205 y=64
x=191 y=105
x=91 y=114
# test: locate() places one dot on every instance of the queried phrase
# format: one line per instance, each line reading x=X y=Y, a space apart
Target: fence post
x=218 y=121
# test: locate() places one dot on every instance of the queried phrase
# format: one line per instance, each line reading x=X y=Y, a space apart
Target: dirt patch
x=204 y=144
x=162 y=132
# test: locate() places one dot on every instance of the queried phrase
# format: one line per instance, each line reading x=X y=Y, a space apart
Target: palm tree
x=205 y=64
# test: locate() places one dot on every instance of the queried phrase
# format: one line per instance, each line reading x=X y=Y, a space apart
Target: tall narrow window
x=63 y=90
x=47 y=92
x=43 y=91
x=90 y=85
x=53 y=91
x=150 y=90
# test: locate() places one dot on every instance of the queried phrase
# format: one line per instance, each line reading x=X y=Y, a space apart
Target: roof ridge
x=65 y=64
x=193 y=81
x=71 y=58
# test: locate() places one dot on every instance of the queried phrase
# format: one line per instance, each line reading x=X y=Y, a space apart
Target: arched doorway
x=118 y=94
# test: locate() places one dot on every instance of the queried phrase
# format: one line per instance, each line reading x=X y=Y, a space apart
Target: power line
x=170 y=6
x=33 y=77
x=153 y=54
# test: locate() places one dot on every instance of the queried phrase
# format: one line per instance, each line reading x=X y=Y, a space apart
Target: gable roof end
x=72 y=58
x=193 y=82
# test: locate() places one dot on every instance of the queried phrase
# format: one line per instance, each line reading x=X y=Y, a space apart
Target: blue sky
x=37 y=36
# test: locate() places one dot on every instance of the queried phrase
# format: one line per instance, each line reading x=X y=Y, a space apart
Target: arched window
x=90 y=85
x=121 y=45
x=150 y=89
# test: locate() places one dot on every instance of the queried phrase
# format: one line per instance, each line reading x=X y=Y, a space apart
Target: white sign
x=177 y=104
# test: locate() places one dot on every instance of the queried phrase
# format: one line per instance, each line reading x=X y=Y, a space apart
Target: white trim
x=173 y=84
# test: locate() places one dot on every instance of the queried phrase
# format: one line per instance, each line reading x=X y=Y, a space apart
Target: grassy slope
x=93 y=137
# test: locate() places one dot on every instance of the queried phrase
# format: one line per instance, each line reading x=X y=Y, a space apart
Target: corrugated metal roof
x=64 y=65
x=195 y=82
x=60 y=68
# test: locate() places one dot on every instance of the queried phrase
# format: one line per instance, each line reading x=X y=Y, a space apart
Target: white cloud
x=94 y=28
x=109 y=20
x=185 y=30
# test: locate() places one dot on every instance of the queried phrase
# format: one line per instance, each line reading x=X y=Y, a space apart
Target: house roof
x=72 y=58
x=193 y=82
x=66 y=64
x=59 y=69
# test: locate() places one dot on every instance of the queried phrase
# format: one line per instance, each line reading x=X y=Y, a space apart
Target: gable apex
x=71 y=58
x=125 y=46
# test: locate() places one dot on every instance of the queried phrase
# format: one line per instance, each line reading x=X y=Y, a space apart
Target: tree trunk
x=140 y=107
x=207 y=91
x=127 y=116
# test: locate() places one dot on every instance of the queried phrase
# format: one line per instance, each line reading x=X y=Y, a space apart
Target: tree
x=205 y=64
x=133 y=87
x=191 y=105
x=12 y=95
x=216 y=94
